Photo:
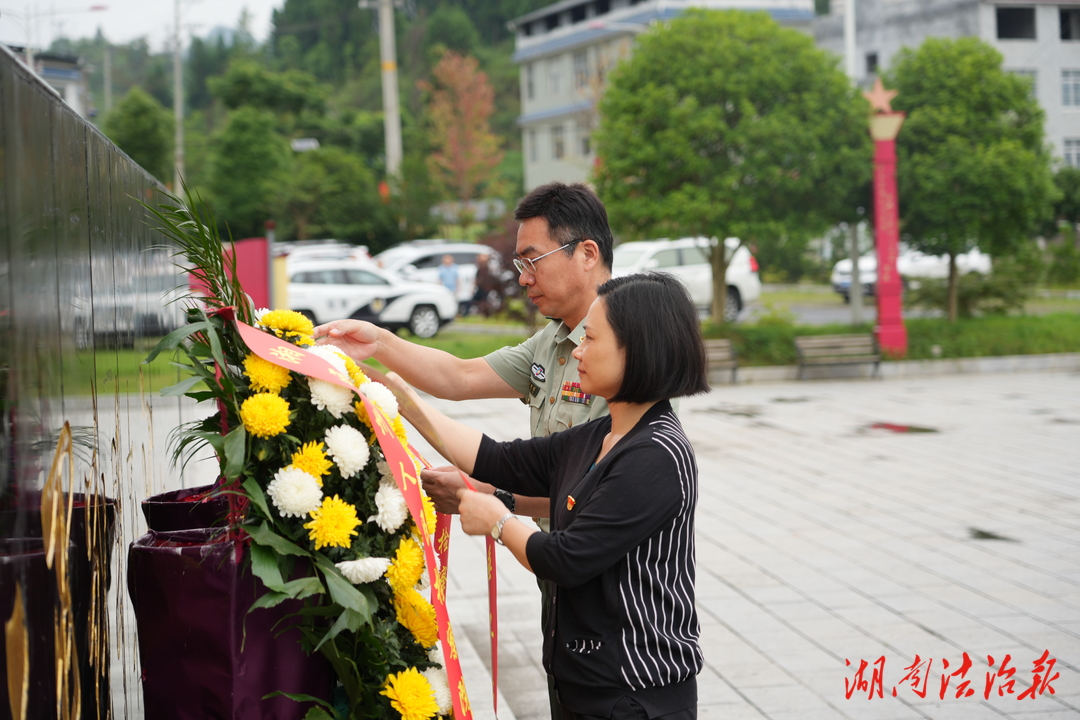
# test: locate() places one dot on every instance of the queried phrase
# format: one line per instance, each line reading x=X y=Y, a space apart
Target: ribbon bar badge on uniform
x=571 y=392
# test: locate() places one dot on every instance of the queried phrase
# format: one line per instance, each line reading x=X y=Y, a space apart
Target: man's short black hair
x=656 y=324
x=573 y=212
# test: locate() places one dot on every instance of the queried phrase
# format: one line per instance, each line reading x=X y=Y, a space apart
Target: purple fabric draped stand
x=203 y=656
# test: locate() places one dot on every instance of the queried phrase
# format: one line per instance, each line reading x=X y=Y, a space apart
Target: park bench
x=722 y=356
x=836 y=350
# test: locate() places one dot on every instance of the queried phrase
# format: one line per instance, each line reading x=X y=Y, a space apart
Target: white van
x=688 y=260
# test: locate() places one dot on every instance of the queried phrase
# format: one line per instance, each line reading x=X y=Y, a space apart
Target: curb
x=900 y=369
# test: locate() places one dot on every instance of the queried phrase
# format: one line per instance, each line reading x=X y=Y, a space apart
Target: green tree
x=331 y=193
x=248 y=83
x=723 y=123
x=451 y=27
x=972 y=167
x=144 y=130
x=1067 y=208
x=247 y=161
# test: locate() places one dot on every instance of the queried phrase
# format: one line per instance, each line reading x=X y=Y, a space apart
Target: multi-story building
x=1037 y=39
x=565 y=51
x=66 y=74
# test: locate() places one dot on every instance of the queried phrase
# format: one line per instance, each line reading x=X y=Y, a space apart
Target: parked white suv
x=688 y=260
x=910 y=264
x=327 y=290
x=420 y=259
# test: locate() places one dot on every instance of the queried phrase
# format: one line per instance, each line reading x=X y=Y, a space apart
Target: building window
x=553 y=77
x=1016 y=23
x=1070 y=88
x=577 y=14
x=1072 y=152
x=552 y=21
x=558 y=144
x=526 y=29
x=581 y=69
x=533 y=145
x=871 y=63
x=603 y=7
x=530 y=81
x=586 y=144
x=1070 y=24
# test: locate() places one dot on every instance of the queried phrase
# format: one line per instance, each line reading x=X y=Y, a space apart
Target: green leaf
x=317 y=713
x=304 y=587
x=264 y=565
x=216 y=440
x=181 y=387
x=345 y=593
x=300 y=697
x=173 y=339
x=269 y=600
x=349 y=620
x=264 y=536
x=234 y=452
x=255 y=494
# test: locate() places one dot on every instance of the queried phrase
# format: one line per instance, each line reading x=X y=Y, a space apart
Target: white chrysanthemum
x=393 y=511
x=330 y=354
x=348 y=448
x=330 y=397
x=364 y=570
x=382 y=397
x=435 y=654
x=259 y=315
x=295 y=493
x=424 y=583
x=440 y=685
x=385 y=476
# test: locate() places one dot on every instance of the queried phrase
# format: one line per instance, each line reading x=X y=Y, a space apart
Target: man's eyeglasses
x=528 y=265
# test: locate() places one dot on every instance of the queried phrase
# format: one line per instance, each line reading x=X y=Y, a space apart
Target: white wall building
x=1040 y=40
x=565 y=51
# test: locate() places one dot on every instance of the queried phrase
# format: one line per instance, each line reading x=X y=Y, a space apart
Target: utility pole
x=108 y=77
x=849 y=38
x=391 y=106
x=178 y=100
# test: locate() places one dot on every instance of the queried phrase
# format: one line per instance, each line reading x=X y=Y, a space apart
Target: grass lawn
x=121 y=370
x=773 y=343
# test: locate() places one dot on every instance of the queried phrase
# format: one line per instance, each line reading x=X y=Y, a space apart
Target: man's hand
x=359 y=339
x=442 y=485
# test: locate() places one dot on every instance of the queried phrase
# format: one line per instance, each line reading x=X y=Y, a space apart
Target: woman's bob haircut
x=656 y=325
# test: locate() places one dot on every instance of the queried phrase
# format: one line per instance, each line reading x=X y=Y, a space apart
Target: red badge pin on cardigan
x=570 y=502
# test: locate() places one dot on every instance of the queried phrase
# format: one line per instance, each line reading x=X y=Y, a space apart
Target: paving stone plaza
x=823 y=540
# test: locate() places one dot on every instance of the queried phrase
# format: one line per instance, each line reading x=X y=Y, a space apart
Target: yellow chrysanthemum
x=287 y=321
x=361 y=413
x=411 y=695
x=399 y=431
x=265 y=376
x=265 y=415
x=429 y=514
x=303 y=340
x=418 y=616
x=355 y=373
x=333 y=524
x=311 y=459
x=407 y=567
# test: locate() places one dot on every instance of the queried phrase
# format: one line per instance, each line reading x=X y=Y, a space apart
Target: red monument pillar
x=884 y=127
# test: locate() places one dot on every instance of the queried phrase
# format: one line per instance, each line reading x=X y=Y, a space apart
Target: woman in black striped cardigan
x=623 y=491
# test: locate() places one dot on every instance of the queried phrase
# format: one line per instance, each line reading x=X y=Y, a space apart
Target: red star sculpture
x=879 y=97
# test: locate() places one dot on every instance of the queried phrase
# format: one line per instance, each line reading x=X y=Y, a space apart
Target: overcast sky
x=125 y=20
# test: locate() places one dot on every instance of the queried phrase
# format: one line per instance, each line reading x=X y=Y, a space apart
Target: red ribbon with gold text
x=442 y=544
x=279 y=352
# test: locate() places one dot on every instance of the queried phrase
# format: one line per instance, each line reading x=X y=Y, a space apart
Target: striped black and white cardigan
x=621 y=552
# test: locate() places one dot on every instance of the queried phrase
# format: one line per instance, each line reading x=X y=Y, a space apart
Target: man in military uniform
x=563 y=253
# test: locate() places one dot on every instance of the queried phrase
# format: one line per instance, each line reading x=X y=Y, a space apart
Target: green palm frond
x=193 y=230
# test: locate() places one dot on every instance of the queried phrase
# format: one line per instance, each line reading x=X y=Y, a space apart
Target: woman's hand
x=359 y=340
x=479 y=512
